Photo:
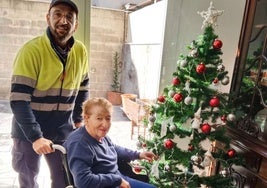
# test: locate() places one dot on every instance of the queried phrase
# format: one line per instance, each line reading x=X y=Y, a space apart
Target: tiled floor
x=119 y=132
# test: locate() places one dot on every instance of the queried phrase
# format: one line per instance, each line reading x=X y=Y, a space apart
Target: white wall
x=114 y=4
x=143 y=50
x=147 y=25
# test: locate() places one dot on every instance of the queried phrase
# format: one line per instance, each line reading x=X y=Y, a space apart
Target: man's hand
x=150 y=156
x=42 y=146
x=124 y=184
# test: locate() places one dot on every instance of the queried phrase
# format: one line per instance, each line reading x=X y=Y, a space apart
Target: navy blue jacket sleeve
x=126 y=154
x=81 y=97
x=24 y=116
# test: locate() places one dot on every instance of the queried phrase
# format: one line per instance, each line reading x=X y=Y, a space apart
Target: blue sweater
x=94 y=164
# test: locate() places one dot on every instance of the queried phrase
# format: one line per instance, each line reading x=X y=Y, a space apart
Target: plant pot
x=114 y=97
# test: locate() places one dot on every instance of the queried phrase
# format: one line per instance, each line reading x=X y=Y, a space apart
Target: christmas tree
x=188 y=122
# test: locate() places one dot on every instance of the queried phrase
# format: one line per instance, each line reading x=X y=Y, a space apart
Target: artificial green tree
x=188 y=122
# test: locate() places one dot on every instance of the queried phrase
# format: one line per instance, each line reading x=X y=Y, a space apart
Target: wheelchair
x=125 y=167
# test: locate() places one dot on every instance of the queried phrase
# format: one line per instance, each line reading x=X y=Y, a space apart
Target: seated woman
x=92 y=157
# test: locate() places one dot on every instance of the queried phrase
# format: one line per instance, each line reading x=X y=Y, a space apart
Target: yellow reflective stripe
x=15 y=96
x=55 y=92
x=84 y=88
x=18 y=79
x=50 y=92
x=50 y=107
x=68 y=93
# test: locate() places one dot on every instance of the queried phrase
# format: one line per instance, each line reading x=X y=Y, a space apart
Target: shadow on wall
x=129 y=79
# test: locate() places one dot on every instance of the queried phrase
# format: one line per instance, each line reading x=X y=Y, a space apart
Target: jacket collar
x=62 y=53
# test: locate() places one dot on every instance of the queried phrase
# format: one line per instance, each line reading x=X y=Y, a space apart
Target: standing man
x=49 y=84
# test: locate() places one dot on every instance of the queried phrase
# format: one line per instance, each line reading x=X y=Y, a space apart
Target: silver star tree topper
x=210 y=16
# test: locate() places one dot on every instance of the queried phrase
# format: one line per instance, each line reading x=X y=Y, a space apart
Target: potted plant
x=114 y=96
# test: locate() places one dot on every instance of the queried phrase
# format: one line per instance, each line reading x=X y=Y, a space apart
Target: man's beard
x=61 y=38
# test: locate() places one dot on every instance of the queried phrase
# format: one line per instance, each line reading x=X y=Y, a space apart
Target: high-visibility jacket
x=47 y=94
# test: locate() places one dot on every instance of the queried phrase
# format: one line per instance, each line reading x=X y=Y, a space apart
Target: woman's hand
x=147 y=155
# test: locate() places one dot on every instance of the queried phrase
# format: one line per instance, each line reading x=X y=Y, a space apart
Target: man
x=49 y=84
x=93 y=157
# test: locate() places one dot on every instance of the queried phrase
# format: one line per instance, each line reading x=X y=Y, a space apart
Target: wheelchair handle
x=68 y=177
x=59 y=147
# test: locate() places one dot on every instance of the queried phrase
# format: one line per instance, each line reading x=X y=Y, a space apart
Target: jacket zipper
x=62 y=80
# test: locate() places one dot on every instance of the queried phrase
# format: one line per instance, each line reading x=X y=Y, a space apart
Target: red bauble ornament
x=168 y=144
x=205 y=128
x=215 y=81
x=231 y=153
x=217 y=44
x=137 y=169
x=190 y=147
x=178 y=97
x=214 y=102
x=161 y=99
x=175 y=81
x=201 y=68
x=224 y=118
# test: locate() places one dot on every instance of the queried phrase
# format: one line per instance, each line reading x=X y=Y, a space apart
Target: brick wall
x=107 y=37
x=21 y=20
